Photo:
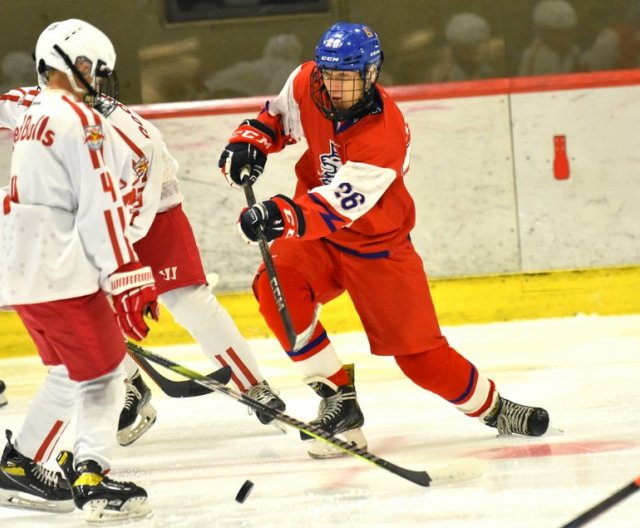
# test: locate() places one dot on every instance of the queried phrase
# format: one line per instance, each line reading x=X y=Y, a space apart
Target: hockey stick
x=178 y=389
x=463 y=469
x=296 y=341
x=604 y=505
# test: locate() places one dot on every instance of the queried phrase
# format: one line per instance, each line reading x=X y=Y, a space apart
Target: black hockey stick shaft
x=420 y=478
x=188 y=388
x=274 y=282
x=604 y=505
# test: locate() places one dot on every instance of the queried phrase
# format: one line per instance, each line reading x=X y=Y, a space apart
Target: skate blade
x=322 y=450
x=146 y=418
x=26 y=501
x=3 y=400
x=97 y=513
x=279 y=426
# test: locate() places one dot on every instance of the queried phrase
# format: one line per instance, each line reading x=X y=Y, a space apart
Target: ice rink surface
x=585 y=371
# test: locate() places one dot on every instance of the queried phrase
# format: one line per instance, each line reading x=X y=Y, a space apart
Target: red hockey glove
x=134 y=295
x=247 y=150
x=278 y=217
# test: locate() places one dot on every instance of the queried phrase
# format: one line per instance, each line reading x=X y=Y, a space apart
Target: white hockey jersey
x=63 y=222
x=152 y=185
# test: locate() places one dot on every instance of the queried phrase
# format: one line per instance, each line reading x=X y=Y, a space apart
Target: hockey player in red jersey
x=347 y=228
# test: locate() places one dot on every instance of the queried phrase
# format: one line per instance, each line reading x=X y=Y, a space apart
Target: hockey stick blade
x=604 y=505
x=179 y=389
x=445 y=475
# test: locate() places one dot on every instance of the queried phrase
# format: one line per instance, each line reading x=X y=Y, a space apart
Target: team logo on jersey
x=93 y=137
x=141 y=167
x=330 y=164
x=27 y=130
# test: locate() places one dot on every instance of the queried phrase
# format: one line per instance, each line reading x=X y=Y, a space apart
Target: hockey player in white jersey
x=169 y=246
x=164 y=240
x=65 y=244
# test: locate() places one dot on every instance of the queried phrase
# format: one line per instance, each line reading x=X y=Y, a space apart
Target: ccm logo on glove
x=244 y=158
x=275 y=218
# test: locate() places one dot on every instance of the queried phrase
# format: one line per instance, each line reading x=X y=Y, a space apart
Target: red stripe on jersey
x=20 y=95
x=6 y=205
x=84 y=113
x=122 y=225
x=242 y=366
x=48 y=441
x=114 y=239
x=235 y=378
x=138 y=152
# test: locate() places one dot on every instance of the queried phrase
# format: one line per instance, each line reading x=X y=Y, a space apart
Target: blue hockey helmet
x=346 y=46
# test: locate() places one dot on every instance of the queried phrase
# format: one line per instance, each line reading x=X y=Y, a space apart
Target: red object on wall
x=560 y=160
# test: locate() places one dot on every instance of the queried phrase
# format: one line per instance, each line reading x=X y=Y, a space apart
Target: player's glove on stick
x=278 y=217
x=134 y=295
x=248 y=148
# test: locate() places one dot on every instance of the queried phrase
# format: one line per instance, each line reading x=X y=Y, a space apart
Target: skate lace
x=331 y=407
x=49 y=478
x=262 y=393
x=132 y=396
x=513 y=418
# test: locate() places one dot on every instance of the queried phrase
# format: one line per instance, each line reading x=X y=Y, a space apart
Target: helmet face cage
x=107 y=87
x=346 y=47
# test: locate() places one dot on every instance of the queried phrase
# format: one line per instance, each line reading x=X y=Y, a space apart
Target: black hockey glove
x=278 y=217
x=243 y=159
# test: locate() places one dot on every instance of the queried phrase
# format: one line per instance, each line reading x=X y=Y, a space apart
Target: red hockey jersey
x=350 y=179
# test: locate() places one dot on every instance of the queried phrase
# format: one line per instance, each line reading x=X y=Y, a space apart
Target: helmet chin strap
x=89 y=90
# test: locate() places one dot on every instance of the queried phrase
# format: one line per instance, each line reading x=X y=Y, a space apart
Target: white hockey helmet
x=77 y=49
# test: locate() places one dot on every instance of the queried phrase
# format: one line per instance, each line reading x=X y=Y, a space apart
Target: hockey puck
x=244 y=491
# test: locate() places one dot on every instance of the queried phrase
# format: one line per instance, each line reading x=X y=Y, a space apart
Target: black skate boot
x=138 y=415
x=27 y=484
x=3 y=398
x=509 y=417
x=338 y=414
x=102 y=499
x=263 y=393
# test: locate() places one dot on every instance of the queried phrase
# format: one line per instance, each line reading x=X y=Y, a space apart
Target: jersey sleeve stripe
x=137 y=150
x=123 y=227
x=114 y=238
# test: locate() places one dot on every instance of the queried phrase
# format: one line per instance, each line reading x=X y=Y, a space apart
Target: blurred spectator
x=18 y=69
x=553 y=49
x=264 y=76
x=466 y=54
x=158 y=65
x=617 y=46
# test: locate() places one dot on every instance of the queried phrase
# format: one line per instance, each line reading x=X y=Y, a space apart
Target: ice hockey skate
x=509 y=418
x=3 y=398
x=138 y=415
x=262 y=392
x=102 y=499
x=338 y=414
x=27 y=484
